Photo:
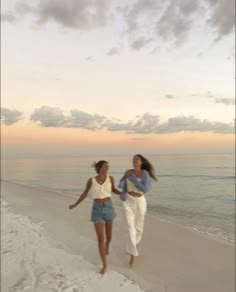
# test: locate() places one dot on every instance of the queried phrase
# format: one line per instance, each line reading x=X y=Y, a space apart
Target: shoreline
x=172 y=257
x=115 y=200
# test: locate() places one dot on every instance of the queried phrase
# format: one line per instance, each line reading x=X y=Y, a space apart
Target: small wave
x=212 y=224
x=201 y=176
x=70 y=192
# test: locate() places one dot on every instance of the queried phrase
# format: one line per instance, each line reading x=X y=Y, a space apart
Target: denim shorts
x=103 y=211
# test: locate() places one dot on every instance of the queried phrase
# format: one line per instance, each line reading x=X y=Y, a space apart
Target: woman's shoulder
x=90 y=180
x=145 y=172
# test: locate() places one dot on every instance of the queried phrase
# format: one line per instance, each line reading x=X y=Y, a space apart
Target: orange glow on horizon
x=33 y=135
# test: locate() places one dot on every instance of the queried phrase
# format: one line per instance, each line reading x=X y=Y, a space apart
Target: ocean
x=196 y=191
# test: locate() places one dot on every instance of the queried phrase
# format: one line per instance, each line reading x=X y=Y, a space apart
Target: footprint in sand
x=69 y=289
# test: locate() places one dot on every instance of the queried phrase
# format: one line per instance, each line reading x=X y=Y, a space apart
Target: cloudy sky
x=109 y=76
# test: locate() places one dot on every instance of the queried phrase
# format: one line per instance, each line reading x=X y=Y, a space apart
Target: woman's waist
x=101 y=200
x=136 y=194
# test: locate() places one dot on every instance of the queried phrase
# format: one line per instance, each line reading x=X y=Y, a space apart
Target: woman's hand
x=71 y=206
x=129 y=173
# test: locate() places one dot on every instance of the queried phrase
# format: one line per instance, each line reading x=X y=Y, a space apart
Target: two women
x=135 y=182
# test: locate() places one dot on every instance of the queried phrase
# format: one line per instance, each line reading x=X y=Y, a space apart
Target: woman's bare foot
x=131 y=262
x=103 y=270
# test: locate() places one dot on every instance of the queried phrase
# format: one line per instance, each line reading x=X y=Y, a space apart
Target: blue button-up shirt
x=144 y=184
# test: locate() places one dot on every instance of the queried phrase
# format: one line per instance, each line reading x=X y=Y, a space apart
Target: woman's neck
x=137 y=171
x=102 y=175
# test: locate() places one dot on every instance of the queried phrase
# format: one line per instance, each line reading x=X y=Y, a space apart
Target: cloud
x=80 y=119
x=142 y=21
x=222 y=19
x=10 y=117
x=177 y=20
x=225 y=101
x=113 y=51
x=169 y=96
x=49 y=117
x=23 y=8
x=138 y=12
x=75 y=14
x=90 y=59
x=144 y=124
x=192 y=124
x=140 y=43
x=174 y=20
x=8 y=17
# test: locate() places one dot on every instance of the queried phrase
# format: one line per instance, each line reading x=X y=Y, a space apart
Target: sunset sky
x=118 y=77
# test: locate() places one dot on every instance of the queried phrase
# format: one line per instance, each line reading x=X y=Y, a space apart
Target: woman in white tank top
x=101 y=188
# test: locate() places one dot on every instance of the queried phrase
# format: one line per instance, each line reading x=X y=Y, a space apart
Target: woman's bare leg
x=101 y=246
x=131 y=262
x=108 y=227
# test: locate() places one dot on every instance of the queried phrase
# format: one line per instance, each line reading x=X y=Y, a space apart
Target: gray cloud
x=80 y=119
x=173 y=20
x=90 y=59
x=140 y=43
x=145 y=124
x=177 y=20
x=225 y=101
x=49 y=117
x=222 y=19
x=10 y=117
x=8 y=17
x=139 y=11
x=169 y=96
x=146 y=20
x=76 y=14
x=192 y=124
x=23 y=8
x=113 y=51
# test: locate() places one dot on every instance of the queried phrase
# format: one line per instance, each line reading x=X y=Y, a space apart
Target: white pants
x=134 y=209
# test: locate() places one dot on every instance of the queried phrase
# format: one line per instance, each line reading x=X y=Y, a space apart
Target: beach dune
x=172 y=258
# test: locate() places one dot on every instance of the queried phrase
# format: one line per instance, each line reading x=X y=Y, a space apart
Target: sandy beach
x=46 y=247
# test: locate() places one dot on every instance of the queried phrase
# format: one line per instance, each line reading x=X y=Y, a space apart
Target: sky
x=81 y=77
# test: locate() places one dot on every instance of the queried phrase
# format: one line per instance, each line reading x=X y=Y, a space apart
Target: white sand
x=172 y=258
x=31 y=263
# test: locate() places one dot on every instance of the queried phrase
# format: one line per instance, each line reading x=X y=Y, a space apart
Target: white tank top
x=101 y=191
x=132 y=188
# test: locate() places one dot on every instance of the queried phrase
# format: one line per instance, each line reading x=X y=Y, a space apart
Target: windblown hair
x=98 y=165
x=146 y=164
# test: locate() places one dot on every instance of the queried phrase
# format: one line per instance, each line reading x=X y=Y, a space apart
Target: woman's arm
x=83 y=195
x=122 y=184
x=145 y=184
x=113 y=188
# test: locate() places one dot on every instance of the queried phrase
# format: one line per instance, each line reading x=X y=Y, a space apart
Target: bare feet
x=103 y=270
x=131 y=262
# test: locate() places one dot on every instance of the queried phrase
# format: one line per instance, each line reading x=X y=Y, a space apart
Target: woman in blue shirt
x=136 y=182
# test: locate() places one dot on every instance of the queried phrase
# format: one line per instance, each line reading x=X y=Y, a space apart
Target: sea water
x=196 y=191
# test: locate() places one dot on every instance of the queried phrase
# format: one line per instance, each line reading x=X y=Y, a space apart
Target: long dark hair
x=146 y=164
x=98 y=165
